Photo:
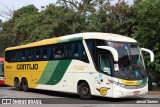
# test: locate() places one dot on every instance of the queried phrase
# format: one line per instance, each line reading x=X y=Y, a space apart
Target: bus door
x=105 y=75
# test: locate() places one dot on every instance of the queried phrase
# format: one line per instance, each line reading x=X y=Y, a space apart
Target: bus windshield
x=1 y=69
x=130 y=62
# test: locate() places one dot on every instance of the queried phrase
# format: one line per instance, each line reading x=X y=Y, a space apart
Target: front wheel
x=84 y=91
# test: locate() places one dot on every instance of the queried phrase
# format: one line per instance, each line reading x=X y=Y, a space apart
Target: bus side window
x=30 y=54
x=44 y=55
x=9 y=56
x=64 y=51
x=59 y=51
x=77 y=51
x=49 y=51
x=71 y=50
x=67 y=51
x=104 y=64
x=19 y=55
x=14 y=56
x=82 y=52
x=37 y=54
x=26 y=54
x=74 y=50
x=53 y=52
x=76 y=54
x=92 y=47
x=23 y=56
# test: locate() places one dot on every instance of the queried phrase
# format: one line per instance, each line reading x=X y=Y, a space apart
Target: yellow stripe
x=129 y=82
x=39 y=43
x=78 y=68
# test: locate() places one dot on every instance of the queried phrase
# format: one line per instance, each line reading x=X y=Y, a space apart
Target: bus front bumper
x=119 y=92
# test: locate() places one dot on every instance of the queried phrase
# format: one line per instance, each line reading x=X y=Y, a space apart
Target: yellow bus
x=100 y=64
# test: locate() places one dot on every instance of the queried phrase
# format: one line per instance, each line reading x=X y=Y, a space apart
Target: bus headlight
x=121 y=85
x=117 y=83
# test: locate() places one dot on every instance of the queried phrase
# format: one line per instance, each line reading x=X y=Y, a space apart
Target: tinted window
x=59 y=51
x=104 y=63
x=77 y=51
x=23 y=57
x=92 y=45
x=62 y=51
x=30 y=54
x=44 y=53
x=37 y=54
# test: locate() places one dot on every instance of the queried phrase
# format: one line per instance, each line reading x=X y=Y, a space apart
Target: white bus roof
x=72 y=37
x=104 y=36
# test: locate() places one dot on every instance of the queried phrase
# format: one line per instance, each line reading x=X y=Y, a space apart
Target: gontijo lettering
x=27 y=66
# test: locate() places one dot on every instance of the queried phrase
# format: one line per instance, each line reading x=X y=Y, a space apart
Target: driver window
x=104 y=64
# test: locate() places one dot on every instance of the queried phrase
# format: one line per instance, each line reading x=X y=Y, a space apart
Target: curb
x=153 y=92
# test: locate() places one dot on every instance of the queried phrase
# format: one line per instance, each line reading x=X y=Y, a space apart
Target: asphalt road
x=67 y=100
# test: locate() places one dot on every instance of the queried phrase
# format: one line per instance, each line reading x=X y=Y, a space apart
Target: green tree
x=66 y=17
x=15 y=29
x=1 y=25
x=62 y=21
x=148 y=27
x=112 y=18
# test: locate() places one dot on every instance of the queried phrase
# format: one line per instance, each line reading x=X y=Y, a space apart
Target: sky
x=16 y=4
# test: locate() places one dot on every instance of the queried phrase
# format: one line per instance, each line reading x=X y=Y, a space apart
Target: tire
x=84 y=91
x=17 y=84
x=25 y=85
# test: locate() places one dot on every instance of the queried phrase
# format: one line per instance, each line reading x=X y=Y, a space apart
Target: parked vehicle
x=2 y=71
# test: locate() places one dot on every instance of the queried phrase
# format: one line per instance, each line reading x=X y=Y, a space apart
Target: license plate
x=136 y=92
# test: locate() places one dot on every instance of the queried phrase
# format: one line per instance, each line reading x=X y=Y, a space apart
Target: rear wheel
x=25 y=85
x=84 y=91
x=17 y=84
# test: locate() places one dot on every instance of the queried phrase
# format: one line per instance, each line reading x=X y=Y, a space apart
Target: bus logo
x=103 y=90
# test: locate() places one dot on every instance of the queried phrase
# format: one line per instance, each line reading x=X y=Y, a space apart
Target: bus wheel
x=17 y=84
x=25 y=85
x=84 y=91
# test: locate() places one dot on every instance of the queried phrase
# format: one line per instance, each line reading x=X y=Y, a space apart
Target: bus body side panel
x=32 y=71
x=55 y=76
x=10 y=73
x=75 y=71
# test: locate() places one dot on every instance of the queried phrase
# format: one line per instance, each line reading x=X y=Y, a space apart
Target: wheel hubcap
x=85 y=91
x=17 y=84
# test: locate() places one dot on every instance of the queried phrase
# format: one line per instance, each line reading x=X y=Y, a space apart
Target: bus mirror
x=150 y=52
x=112 y=50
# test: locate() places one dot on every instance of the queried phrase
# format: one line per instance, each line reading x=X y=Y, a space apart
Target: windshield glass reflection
x=129 y=61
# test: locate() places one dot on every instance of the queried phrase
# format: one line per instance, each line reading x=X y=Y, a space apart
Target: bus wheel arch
x=17 y=84
x=25 y=87
x=83 y=89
